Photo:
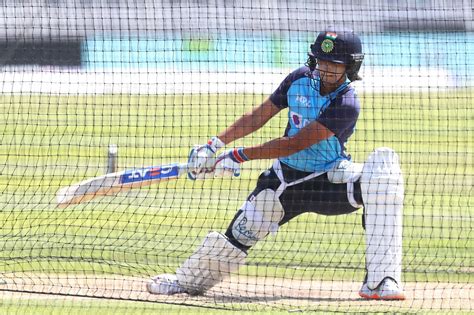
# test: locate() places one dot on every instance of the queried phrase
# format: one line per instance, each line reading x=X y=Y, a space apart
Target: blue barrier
x=451 y=51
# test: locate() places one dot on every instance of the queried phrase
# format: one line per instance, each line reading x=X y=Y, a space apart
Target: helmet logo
x=327 y=45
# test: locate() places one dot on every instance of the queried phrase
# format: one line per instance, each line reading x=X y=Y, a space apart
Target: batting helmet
x=342 y=47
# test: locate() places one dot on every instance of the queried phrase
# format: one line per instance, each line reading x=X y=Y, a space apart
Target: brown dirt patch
x=240 y=292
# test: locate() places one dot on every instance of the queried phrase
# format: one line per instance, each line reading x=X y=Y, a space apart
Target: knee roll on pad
x=215 y=259
x=383 y=193
x=347 y=172
x=260 y=216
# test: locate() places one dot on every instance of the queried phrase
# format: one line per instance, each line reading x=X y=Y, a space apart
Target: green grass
x=51 y=307
x=51 y=141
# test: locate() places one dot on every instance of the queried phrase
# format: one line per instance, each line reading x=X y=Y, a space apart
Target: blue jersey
x=337 y=111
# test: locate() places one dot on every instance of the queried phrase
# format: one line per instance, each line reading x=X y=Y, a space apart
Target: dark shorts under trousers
x=317 y=195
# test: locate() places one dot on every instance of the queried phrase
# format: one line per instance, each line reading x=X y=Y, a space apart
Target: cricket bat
x=113 y=183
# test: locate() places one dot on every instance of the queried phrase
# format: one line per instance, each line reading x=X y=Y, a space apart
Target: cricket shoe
x=388 y=289
x=166 y=284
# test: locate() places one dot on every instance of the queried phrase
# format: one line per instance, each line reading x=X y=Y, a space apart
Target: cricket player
x=311 y=172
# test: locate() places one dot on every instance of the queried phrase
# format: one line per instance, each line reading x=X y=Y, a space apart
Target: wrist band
x=238 y=155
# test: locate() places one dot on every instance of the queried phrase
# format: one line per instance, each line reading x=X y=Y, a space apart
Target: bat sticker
x=149 y=173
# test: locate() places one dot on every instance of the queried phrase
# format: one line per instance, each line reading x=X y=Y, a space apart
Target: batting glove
x=201 y=159
x=228 y=163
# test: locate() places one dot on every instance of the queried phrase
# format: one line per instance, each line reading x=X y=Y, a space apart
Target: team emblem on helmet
x=327 y=45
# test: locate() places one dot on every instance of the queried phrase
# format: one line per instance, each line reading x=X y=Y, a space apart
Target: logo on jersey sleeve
x=298 y=120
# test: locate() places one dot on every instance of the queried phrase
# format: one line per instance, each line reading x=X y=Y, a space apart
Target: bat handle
x=183 y=168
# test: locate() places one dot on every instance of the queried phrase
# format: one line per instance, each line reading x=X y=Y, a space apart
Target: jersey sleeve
x=341 y=115
x=279 y=97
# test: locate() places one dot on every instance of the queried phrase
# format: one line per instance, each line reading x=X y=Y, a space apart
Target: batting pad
x=383 y=192
x=215 y=259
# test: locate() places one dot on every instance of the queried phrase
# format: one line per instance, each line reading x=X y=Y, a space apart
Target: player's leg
x=337 y=194
x=212 y=261
x=382 y=193
x=221 y=255
x=379 y=186
x=272 y=204
x=259 y=215
x=328 y=194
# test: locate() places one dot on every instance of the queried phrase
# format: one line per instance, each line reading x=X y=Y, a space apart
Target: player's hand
x=202 y=159
x=228 y=163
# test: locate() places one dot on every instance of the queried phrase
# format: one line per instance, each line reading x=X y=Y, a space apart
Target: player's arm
x=313 y=133
x=250 y=122
x=339 y=116
x=201 y=158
